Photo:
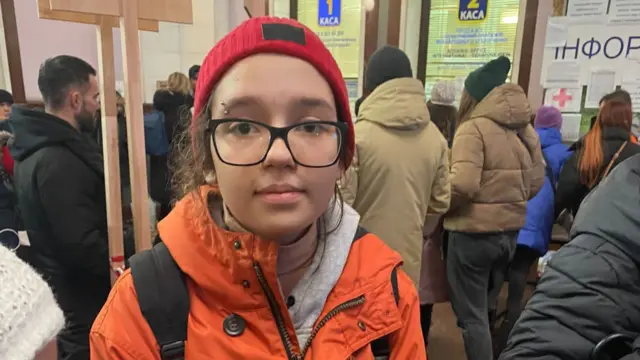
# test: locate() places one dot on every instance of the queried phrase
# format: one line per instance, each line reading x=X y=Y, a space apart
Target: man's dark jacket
x=59 y=181
x=591 y=287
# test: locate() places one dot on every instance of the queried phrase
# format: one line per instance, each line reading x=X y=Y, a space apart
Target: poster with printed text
x=466 y=34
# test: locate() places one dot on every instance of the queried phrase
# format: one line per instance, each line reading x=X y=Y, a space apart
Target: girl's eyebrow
x=250 y=101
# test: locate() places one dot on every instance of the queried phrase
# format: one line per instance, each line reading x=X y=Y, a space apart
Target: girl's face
x=277 y=198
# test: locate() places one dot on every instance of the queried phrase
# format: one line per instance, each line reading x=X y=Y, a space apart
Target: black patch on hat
x=283 y=32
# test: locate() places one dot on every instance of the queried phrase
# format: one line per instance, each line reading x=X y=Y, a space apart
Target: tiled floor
x=445 y=339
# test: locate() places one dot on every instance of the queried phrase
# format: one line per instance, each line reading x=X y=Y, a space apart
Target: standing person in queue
x=173 y=103
x=497 y=167
x=535 y=235
x=594 y=156
x=433 y=272
x=59 y=183
x=8 y=214
x=394 y=196
x=275 y=264
x=193 y=77
x=442 y=108
x=6 y=101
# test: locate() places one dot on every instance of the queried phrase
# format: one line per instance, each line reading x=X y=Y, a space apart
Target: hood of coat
x=34 y=130
x=398 y=104
x=611 y=211
x=549 y=137
x=506 y=105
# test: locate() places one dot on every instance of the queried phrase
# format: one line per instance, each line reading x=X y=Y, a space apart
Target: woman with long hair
x=178 y=83
x=595 y=155
x=172 y=101
x=497 y=166
x=261 y=255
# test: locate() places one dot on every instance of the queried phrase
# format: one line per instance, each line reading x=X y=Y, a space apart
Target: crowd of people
x=291 y=230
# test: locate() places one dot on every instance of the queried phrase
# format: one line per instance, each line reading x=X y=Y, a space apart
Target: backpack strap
x=613 y=159
x=380 y=346
x=154 y=272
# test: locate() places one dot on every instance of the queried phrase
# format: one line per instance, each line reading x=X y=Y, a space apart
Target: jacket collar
x=221 y=265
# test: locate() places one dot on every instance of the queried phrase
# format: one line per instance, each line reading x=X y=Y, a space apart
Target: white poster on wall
x=571 y=127
x=562 y=74
x=624 y=12
x=601 y=82
x=587 y=7
x=594 y=46
x=564 y=99
x=556 y=34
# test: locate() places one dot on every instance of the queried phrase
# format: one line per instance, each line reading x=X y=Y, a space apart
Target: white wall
x=410 y=30
x=279 y=8
x=545 y=10
x=176 y=47
x=5 y=80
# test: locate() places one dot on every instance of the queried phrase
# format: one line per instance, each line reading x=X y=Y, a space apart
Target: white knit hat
x=443 y=92
x=29 y=315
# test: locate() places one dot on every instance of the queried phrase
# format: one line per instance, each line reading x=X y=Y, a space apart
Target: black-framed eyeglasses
x=242 y=142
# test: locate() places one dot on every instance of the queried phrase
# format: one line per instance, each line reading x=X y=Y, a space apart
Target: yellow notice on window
x=337 y=23
x=465 y=34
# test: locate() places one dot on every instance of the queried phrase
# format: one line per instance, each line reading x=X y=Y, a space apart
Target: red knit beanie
x=275 y=36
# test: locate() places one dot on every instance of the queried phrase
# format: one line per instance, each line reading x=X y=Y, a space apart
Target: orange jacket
x=216 y=272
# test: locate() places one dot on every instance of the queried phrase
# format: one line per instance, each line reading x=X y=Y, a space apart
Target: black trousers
x=426 y=311
x=517 y=275
x=474 y=261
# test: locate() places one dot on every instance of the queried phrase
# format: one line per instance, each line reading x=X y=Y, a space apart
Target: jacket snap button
x=237 y=245
x=362 y=326
x=246 y=284
x=234 y=325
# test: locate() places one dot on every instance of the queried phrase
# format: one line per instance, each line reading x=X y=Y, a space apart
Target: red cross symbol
x=562 y=98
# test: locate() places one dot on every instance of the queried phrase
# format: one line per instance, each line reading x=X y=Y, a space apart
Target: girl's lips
x=280 y=198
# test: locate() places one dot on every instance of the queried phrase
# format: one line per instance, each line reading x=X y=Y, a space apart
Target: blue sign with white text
x=473 y=10
x=329 y=12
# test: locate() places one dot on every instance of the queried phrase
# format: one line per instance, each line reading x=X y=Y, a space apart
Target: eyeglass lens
x=244 y=142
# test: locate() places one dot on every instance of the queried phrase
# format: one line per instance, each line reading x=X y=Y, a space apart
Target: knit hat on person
x=387 y=63
x=481 y=81
x=6 y=97
x=29 y=315
x=548 y=117
x=273 y=35
x=443 y=93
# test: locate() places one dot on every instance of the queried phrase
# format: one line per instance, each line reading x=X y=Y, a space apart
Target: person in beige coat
x=497 y=166
x=402 y=169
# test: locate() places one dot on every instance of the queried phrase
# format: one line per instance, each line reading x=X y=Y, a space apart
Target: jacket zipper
x=337 y=310
x=275 y=311
x=284 y=334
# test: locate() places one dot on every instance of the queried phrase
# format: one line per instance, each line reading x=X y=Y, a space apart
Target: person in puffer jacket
x=590 y=290
x=497 y=166
x=534 y=237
